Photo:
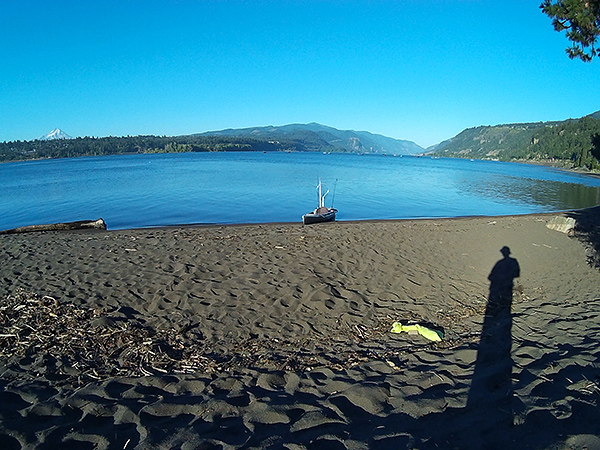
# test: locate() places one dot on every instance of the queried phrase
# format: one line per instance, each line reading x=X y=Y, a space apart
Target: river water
x=134 y=191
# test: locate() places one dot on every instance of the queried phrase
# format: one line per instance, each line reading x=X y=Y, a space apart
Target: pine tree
x=581 y=21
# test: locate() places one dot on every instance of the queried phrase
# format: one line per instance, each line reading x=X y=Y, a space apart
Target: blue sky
x=421 y=70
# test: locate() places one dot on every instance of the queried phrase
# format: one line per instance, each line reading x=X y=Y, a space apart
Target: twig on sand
x=74 y=345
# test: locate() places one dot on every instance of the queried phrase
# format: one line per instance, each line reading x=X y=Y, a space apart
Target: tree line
x=93 y=146
x=574 y=141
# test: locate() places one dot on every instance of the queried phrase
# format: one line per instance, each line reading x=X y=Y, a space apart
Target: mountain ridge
x=316 y=137
x=568 y=143
x=571 y=143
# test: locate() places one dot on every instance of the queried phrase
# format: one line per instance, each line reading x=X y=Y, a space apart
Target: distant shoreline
x=467 y=191
x=559 y=166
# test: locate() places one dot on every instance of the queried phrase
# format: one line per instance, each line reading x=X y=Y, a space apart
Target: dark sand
x=277 y=336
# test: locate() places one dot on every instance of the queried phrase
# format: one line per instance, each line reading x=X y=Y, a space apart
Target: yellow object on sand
x=428 y=333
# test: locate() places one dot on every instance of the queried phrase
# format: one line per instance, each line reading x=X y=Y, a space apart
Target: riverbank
x=278 y=336
x=560 y=165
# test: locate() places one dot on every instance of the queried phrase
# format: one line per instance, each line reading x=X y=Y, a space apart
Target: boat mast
x=319 y=192
x=334 y=186
x=321 y=197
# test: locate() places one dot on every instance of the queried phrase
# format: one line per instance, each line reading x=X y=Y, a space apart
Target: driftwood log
x=79 y=225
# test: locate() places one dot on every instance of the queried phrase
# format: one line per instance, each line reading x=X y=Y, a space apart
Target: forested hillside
x=90 y=146
x=297 y=137
x=317 y=137
x=573 y=143
x=570 y=143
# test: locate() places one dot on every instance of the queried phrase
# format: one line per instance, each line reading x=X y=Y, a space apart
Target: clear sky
x=420 y=70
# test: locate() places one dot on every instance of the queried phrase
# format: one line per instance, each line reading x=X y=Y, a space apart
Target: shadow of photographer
x=494 y=417
x=492 y=377
x=487 y=420
x=491 y=389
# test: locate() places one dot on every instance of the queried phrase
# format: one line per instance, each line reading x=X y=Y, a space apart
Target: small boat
x=322 y=213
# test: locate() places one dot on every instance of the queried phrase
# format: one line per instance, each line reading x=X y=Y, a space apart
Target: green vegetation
x=90 y=146
x=572 y=143
x=297 y=137
x=580 y=19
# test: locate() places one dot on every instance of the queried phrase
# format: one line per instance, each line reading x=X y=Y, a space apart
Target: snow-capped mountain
x=57 y=133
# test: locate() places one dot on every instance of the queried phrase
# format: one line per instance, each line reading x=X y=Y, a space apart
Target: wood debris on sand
x=45 y=335
x=41 y=336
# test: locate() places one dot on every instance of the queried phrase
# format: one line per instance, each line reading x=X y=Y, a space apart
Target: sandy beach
x=278 y=336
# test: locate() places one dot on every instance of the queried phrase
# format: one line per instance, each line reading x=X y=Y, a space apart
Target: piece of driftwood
x=79 y=225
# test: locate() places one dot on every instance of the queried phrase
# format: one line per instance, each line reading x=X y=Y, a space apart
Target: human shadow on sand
x=494 y=416
x=263 y=408
x=487 y=420
x=491 y=390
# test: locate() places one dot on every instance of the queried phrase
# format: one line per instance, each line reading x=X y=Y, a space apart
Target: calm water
x=151 y=190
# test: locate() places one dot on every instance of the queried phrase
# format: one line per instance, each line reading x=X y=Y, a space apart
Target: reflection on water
x=130 y=191
x=549 y=194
